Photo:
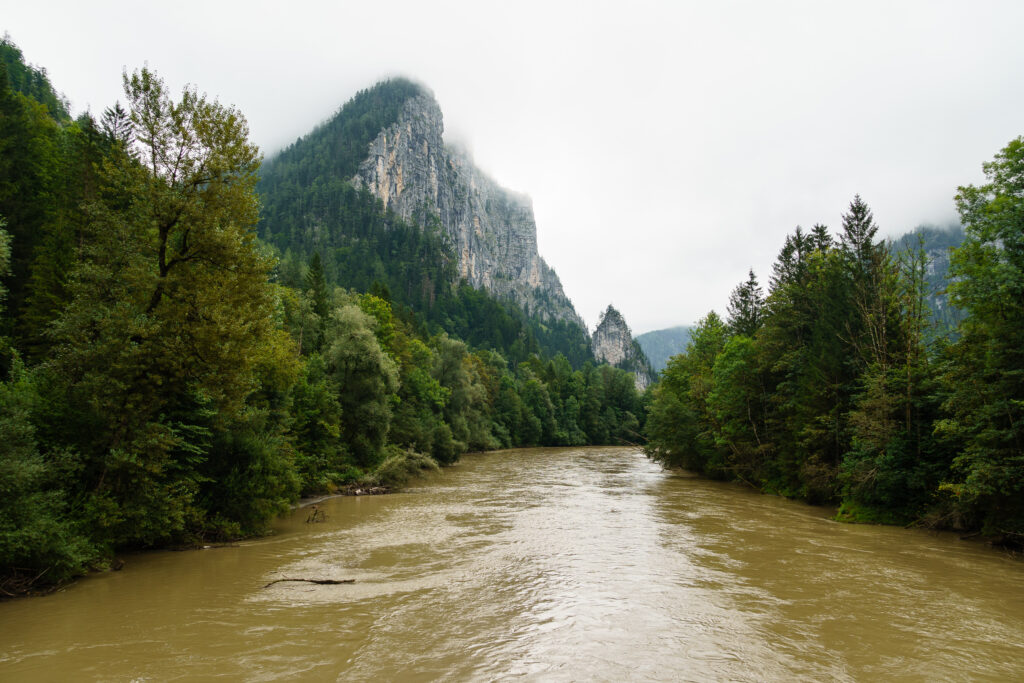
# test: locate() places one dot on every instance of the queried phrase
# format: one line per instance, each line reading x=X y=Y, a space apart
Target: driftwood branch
x=329 y=582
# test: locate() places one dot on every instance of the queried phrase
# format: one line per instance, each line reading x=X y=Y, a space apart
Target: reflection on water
x=547 y=564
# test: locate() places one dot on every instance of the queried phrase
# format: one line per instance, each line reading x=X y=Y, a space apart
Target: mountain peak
x=614 y=344
x=416 y=174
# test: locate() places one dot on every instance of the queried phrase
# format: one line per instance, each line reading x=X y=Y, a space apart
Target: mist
x=667 y=147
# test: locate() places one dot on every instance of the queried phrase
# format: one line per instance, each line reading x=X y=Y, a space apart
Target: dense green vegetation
x=311 y=208
x=178 y=365
x=839 y=386
x=937 y=244
x=31 y=81
x=165 y=379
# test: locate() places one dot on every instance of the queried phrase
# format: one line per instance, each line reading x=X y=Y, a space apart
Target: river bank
x=554 y=564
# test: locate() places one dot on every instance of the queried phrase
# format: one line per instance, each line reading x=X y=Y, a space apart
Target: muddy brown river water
x=542 y=564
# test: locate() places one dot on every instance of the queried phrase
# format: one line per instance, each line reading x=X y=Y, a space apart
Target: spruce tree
x=858 y=237
x=316 y=291
x=117 y=126
x=746 y=304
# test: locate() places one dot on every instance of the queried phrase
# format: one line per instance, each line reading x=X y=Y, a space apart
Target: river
x=542 y=564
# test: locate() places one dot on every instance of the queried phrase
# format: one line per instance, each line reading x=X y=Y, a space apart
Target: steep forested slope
x=310 y=206
x=660 y=345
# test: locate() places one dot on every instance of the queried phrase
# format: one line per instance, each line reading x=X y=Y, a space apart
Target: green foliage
x=31 y=81
x=367 y=379
x=746 y=307
x=5 y=260
x=853 y=512
x=339 y=145
x=984 y=370
x=40 y=542
x=827 y=391
x=180 y=384
x=64 y=235
x=169 y=321
x=736 y=407
x=678 y=434
x=321 y=458
x=29 y=175
x=937 y=243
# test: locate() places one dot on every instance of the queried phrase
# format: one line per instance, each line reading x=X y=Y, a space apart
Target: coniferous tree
x=858 y=236
x=316 y=288
x=31 y=81
x=5 y=260
x=64 y=235
x=117 y=126
x=746 y=304
x=984 y=374
x=821 y=240
x=29 y=169
x=160 y=399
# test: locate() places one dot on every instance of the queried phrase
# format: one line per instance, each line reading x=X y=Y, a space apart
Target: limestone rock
x=493 y=231
x=613 y=344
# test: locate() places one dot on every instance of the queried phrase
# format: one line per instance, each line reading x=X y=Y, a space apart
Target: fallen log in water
x=330 y=582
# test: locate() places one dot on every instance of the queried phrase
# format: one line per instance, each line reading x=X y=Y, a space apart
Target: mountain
x=660 y=345
x=614 y=344
x=389 y=207
x=936 y=243
x=411 y=170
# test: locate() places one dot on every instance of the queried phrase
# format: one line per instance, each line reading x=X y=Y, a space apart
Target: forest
x=839 y=385
x=169 y=378
x=181 y=358
x=310 y=207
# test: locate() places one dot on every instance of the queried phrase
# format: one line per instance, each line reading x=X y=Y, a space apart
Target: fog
x=668 y=147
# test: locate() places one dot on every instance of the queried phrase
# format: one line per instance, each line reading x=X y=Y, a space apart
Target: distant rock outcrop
x=493 y=231
x=613 y=344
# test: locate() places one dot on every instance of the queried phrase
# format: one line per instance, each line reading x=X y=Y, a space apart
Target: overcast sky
x=667 y=146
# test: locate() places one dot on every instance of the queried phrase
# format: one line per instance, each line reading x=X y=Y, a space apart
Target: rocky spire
x=613 y=344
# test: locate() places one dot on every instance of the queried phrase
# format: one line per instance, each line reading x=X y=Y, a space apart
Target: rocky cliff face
x=613 y=344
x=936 y=242
x=493 y=231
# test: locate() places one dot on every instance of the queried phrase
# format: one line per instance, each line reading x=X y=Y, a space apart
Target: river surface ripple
x=542 y=564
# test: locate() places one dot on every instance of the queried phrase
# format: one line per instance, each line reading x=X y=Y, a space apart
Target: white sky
x=667 y=146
